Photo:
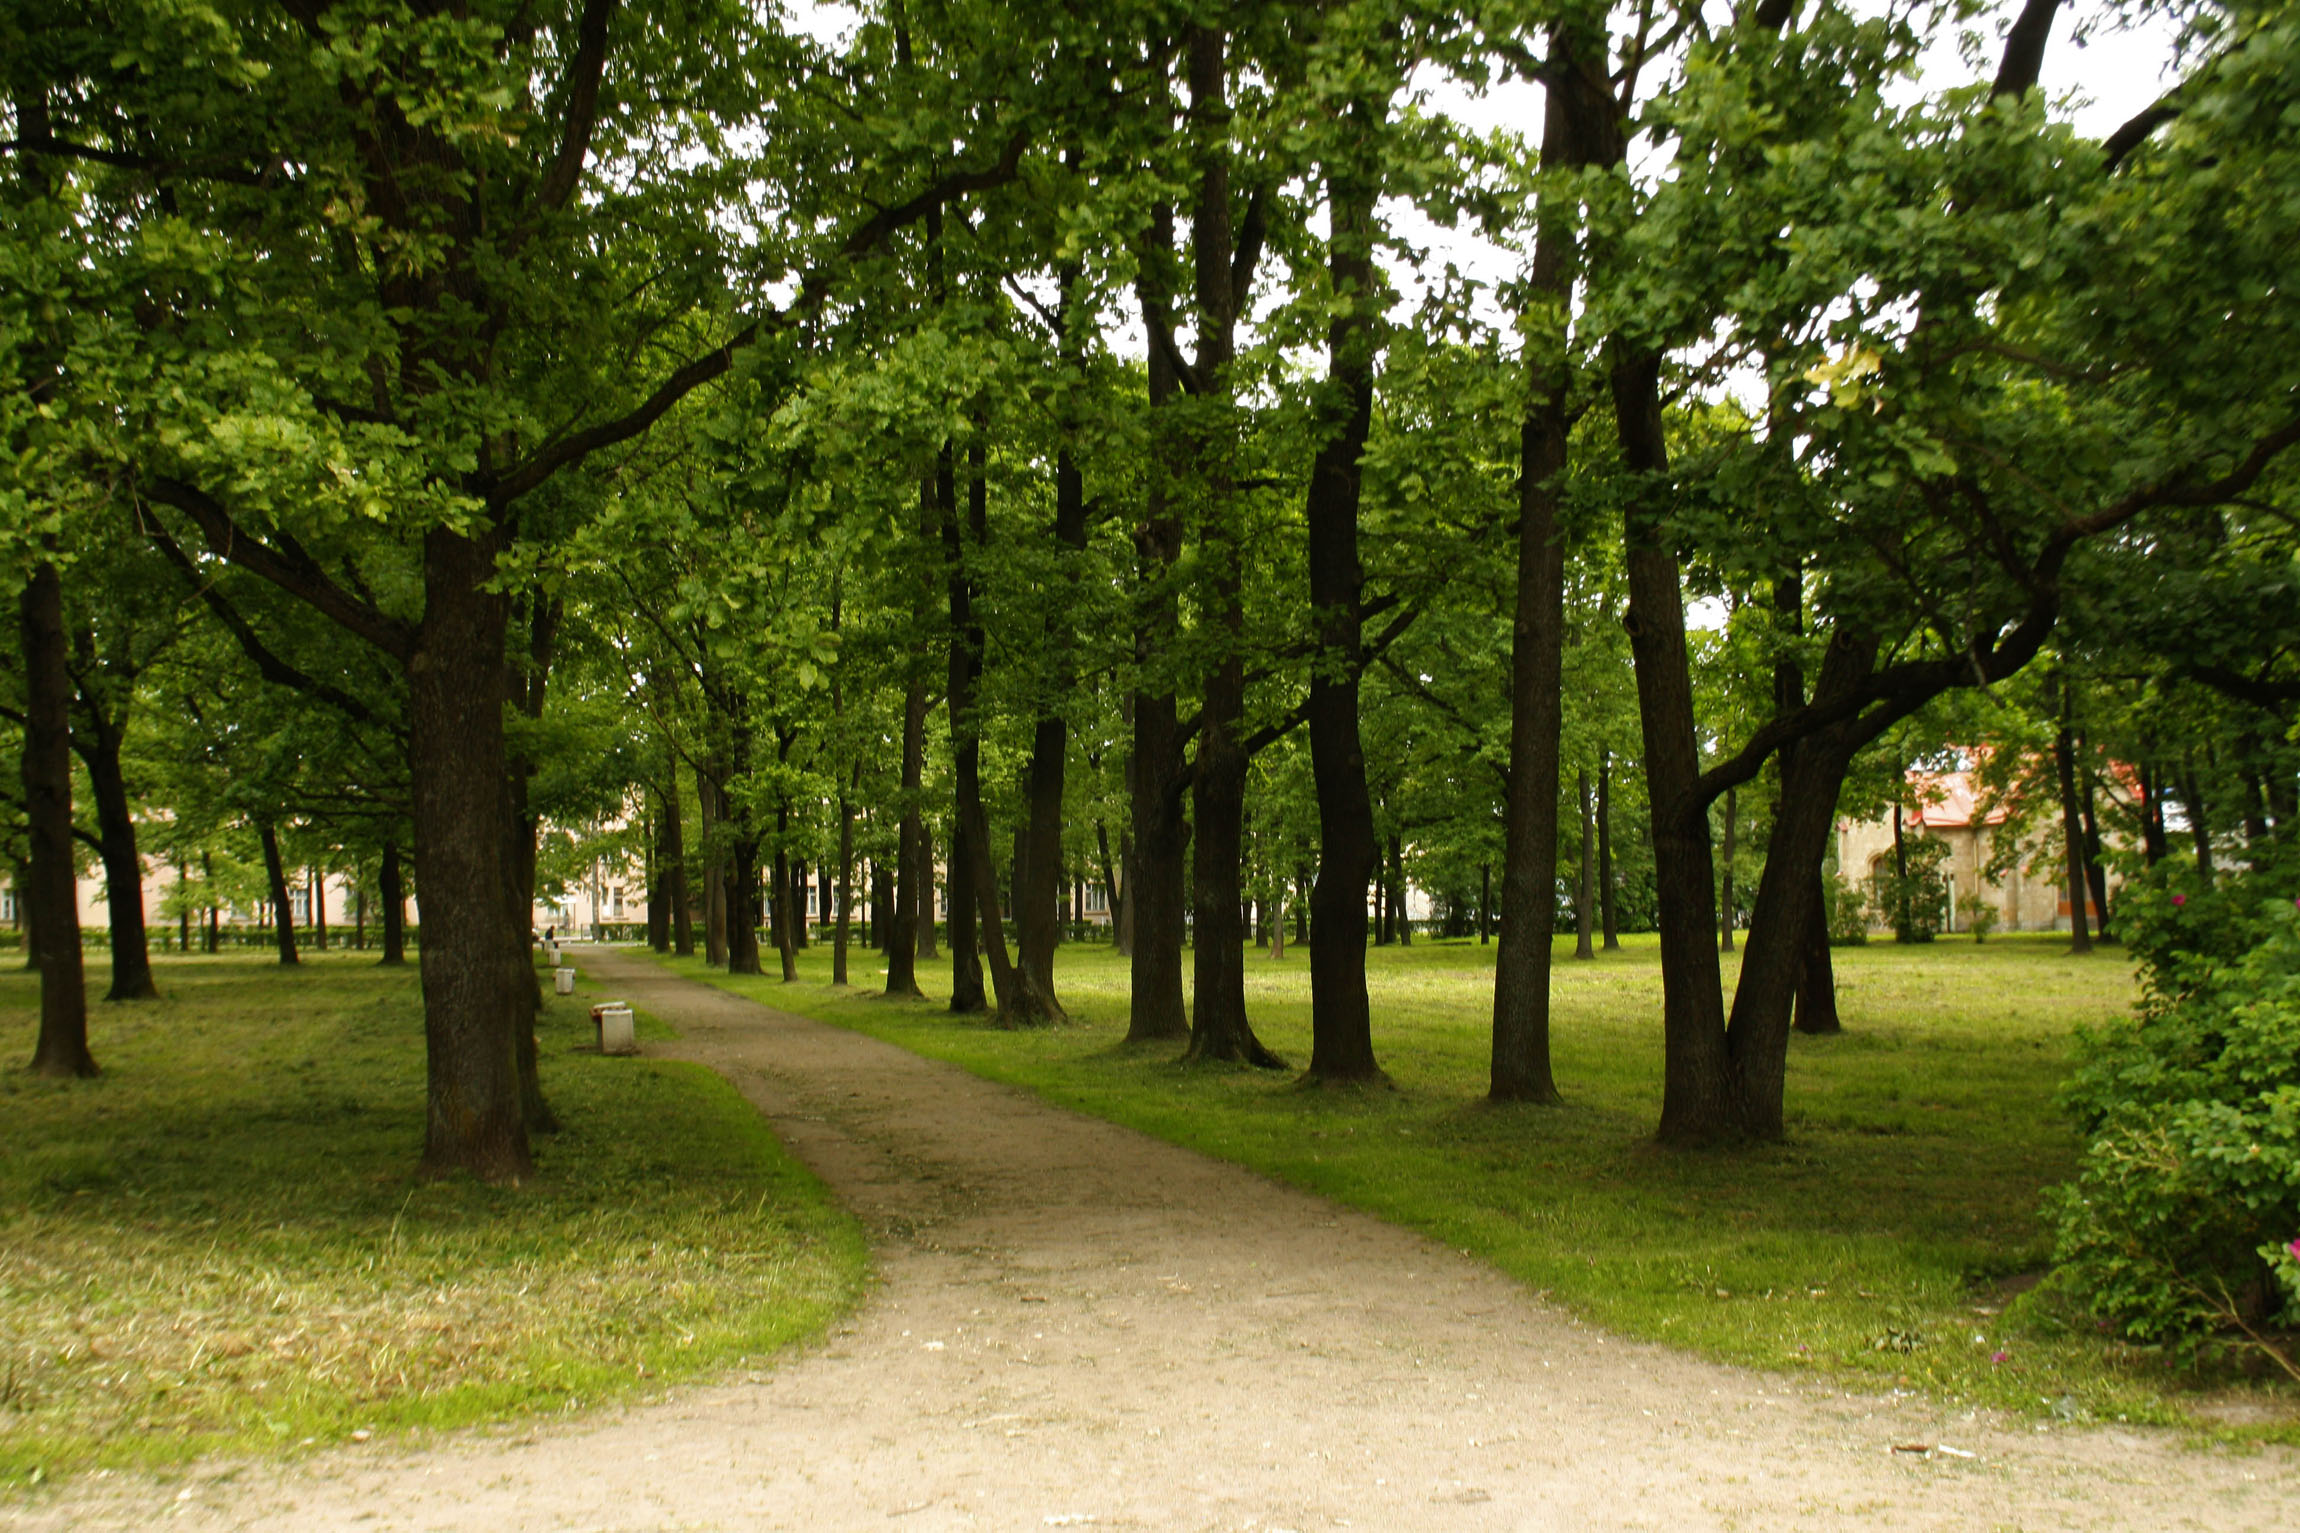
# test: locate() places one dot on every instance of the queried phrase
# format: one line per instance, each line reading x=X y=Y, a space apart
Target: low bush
x=2179 y=1228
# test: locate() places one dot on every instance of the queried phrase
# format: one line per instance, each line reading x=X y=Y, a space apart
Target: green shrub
x=1984 y=920
x=2178 y=1229
x=1848 y=912
x=1915 y=900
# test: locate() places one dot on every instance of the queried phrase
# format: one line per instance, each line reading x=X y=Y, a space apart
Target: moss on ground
x=219 y=1246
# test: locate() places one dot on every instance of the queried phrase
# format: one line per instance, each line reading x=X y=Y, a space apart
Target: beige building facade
x=2032 y=895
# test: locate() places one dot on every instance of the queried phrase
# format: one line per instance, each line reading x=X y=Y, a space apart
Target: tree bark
x=846 y=884
x=1608 y=918
x=275 y=876
x=714 y=870
x=2095 y=875
x=902 y=930
x=783 y=916
x=394 y=895
x=2199 y=827
x=48 y=895
x=1725 y=877
x=2072 y=828
x=123 y=865
x=458 y=764
x=1585 y=894
x=1697 y=1091
x=674 y=855
x=1155 y=889
x=1341 y=1017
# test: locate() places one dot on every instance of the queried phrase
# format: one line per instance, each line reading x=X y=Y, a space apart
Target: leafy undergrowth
x=1887 y=1245
x=219 y=1246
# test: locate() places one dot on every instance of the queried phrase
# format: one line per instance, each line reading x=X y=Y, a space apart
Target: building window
x=299 y=906
x=616 y=894
x=1097 y=902
x=8 y=906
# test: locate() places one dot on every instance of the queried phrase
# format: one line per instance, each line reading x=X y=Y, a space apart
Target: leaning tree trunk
x=123 y=866
x=1816 y=1012
x=1697 y=1096
x=457 y=763
x=51 y=900
x=1725 y=876
x=275 y=875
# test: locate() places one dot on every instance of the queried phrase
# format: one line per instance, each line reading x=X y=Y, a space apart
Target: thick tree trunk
x=1585 y=891
x=458 y=763
x=1155 y=897
x=123 y=866
x=1725 y=876
x=1520 y=1070
x=1816 y=1012
x=1341 y=1018
x=744 y=884
x=1697 y=1087
x=1608 y=919
x=48 y=894
x=275 y=876
x=966 y=992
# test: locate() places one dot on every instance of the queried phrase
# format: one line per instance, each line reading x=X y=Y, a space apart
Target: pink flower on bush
x=2180 y=899
x=2294 y=1248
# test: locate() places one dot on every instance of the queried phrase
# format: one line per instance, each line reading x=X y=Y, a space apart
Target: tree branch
x=299 y=578
x=583 y=74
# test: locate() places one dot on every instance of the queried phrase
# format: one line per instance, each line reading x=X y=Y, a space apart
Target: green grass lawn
x=220 y=1245
x=1882 y=1245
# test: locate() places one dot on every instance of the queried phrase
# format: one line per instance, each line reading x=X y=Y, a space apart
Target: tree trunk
x=1816 y=1012
x=1402 y=896
x=394 y=895
x=1341 y=1018
x=744 y=883
x=458 y=764
x=714 y=870
x=1585 y=892
x=358 y=923
x=1725 y=877
x=1520 y=1069
x=2072 y=831
x=674 y=855
x=1697 y=1089
x=658 y=896
x=1154 y=898
x=275 y=874
x=2153 y=845
x=48 y=895
x=966 y=992
x=846 y=886
x=1037 y=921
x=1608 y=919
x=902 y=931
x=2199 y=828
x=783 y=916
x=929 y=941
x=1113 y=886
x=2095 y=875
x=123 y=866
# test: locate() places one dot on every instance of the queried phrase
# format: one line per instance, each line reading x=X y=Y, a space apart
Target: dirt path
x=1079 y=1326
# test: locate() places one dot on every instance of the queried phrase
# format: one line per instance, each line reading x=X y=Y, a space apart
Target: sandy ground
x=1077 y=1326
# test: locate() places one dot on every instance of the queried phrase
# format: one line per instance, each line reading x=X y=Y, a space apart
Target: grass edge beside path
x=219 y=1247
x=1885 y=1248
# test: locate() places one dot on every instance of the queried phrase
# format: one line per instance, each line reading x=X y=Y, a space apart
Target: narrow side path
x=1079 y=1326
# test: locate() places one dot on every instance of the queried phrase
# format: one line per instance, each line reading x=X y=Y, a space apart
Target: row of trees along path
x=436 y=431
